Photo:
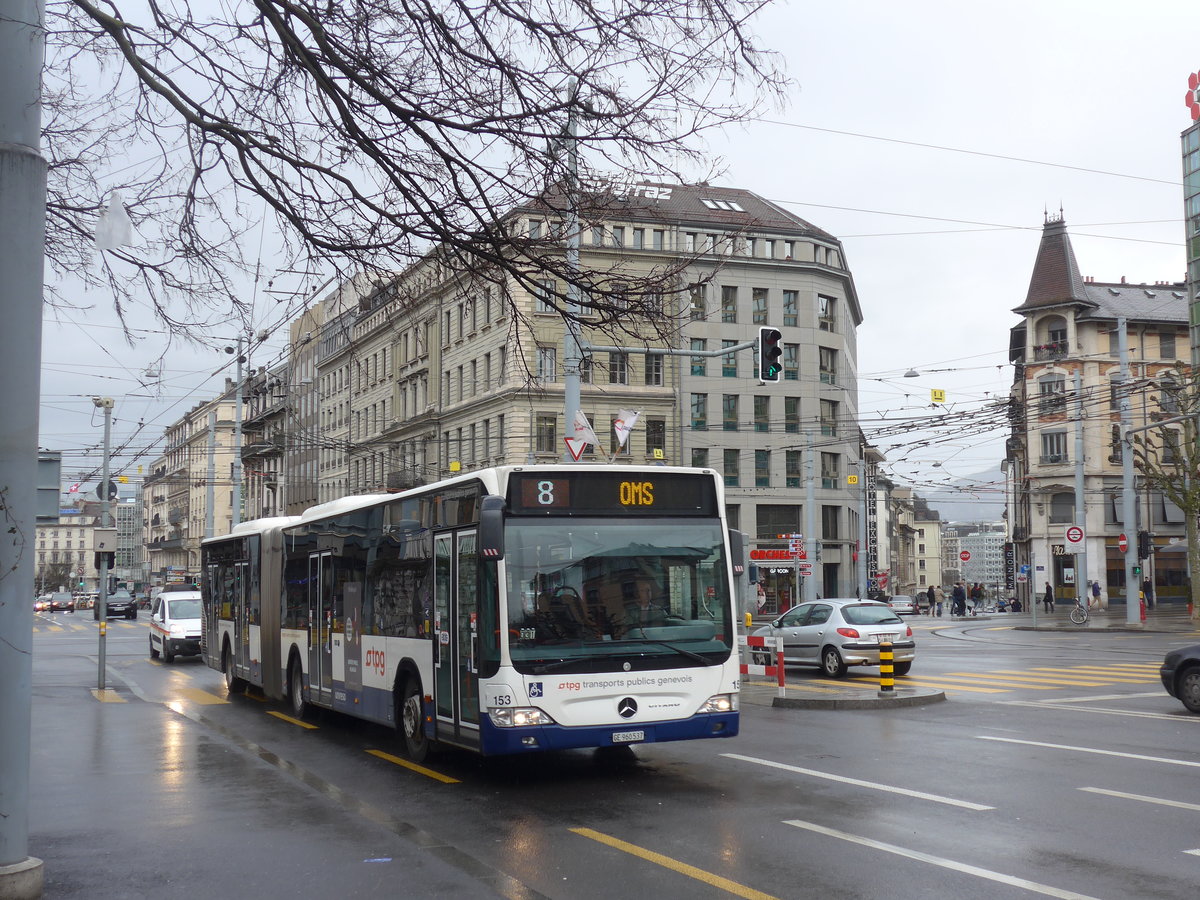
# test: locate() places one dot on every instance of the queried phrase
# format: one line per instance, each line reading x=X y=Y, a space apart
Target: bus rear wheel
x=296 y=689
x=412 y=722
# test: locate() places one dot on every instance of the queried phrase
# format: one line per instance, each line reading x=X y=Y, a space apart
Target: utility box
x=104 y=540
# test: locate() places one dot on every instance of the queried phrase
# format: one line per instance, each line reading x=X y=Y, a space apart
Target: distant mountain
x=976 y=498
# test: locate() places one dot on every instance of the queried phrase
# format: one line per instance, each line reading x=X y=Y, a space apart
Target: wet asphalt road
x=1082 y=780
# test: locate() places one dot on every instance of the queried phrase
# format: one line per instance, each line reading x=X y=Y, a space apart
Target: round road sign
x=1122 y=543
x=1074 y=534
x=965 y=555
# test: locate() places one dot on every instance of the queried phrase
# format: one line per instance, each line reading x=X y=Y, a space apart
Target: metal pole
x=1133 y=613
x=810 y=527
x=210 y=514
x=102 y=568
x=22 y=239
x=572 y=356
x=237 y=440
x=862 y=531
x=1081 y=558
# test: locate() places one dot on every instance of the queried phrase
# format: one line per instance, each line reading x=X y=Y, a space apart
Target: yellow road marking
x=279 y=715
x=1017 y=676
x=429 y=773
x=952 y=686
x=202 y=697
x=732 y=887
x=107 y=696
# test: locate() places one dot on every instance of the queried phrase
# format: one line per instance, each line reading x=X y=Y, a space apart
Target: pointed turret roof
x=1056 y=279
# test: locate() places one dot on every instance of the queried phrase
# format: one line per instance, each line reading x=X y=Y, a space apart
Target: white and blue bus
x=514 y=609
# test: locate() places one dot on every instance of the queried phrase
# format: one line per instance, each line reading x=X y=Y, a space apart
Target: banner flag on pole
x=114 y=228
x=583 y=428
x=623 y=424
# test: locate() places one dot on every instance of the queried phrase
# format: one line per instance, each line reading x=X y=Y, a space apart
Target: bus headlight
x=519 y=717
x=720 y=703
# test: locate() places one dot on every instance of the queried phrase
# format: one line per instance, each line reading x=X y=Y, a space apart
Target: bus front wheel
x=412 y=722
x=233 y=684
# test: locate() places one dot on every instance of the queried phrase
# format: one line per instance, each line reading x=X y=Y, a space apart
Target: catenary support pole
x=1081 y=557
x=102 y=568
x=22 y=236
x=236 y=469
x=1133 y=613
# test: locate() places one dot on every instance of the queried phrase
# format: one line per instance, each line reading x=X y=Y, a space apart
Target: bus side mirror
x=491 y=528
x=737 y=551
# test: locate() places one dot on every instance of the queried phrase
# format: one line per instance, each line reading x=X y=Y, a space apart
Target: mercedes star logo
x=627 y=708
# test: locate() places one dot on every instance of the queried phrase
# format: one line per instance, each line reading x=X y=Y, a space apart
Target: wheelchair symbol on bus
x=535 y=689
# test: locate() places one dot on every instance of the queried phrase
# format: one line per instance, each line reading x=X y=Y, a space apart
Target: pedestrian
x=1148 y=593
x=931 y=594
x=940 y=596
x=959 y=606
x=1048 y=598
x=1096 y=594
x=976 y=598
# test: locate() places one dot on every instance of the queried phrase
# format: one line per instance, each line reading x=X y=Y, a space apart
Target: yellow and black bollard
x=887 y=681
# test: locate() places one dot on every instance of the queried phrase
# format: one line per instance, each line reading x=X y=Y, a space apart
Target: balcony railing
x=1052 y=350
x=1054 y=459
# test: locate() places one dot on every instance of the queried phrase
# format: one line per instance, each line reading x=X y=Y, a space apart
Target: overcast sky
x=929 y=137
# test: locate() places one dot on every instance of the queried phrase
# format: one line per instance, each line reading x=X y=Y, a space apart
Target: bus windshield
x=588 y=595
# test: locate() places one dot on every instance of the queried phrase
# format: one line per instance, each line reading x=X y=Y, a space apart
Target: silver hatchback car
x=839 y=632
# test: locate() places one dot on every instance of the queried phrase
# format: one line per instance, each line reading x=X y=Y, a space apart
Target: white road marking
x=1178 y=804
x=1096 y=697
x=1140 y=756
x=920 y=795
x=940 y=861
x=1103 y=711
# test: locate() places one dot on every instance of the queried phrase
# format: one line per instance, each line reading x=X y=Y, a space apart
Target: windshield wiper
x=703 y=660
x=575 y=660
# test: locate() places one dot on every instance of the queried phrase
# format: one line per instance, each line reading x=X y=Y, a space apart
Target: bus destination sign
x=608 y=493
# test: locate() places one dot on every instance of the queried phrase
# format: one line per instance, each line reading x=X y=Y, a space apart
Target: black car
x=62 y=601
x=1180 y=673
x=119 y=604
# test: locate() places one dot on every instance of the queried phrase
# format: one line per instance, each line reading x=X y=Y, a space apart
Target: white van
x=175 y=625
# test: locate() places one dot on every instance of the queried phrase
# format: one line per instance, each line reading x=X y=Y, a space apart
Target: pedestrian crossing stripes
x=991 y=681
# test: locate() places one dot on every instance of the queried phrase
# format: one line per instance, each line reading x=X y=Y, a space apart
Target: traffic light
x=105 y=560
x=769 y=352
x=1143 y=545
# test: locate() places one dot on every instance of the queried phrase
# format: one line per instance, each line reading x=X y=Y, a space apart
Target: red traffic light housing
x=770 y=351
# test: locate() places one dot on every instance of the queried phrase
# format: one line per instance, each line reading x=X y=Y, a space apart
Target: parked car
x=175 y=625
x=62 y=601
x=120 y=603
x=839 y=632
x=1180 y=673
x=902 y=604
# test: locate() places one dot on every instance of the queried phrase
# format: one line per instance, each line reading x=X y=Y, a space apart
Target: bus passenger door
x=456 y=689
x=241 y=616
x=320 y=626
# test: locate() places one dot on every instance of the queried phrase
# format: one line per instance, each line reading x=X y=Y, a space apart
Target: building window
x=654 y=369
x=535 y=229
x=791 y=415
x=830 y=470
x=656 y=435
x=791 y=302
x=547 y=363
x=585 y=370
x=658 y=237
x=618 y=368
x=762 y=413
x=544 y=292
x=1054 y=447
x=1116 y=447
x=728 y=361
x=698 y=294
x=831 y=517
x=730 y=460
x=597 y=236
x=729 y=412
x=639 y=239
x=826 y=313
x=547 y=436
x=792 y=462
x=758 y=299
x=699 y=457
x=699 y=412
x=1052 y=394
x=762 y=468
x=729 y=304
x=689 y=242
x=829 y=416
x=827 y=360
x=1062 y=508
x=699 y=363
x=1166 y=345
x=791 y=362
x=618 y=235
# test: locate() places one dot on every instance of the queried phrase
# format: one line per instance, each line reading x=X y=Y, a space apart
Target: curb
x=904 y=697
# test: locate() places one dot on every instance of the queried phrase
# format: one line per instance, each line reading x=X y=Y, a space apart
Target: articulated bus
x=511 y=610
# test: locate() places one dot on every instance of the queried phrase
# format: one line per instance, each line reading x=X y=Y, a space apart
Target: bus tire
x=233 y=684
x=296 y=688
x=411 y=720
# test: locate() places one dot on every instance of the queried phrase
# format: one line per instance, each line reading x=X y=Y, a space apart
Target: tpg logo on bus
x=375 y=661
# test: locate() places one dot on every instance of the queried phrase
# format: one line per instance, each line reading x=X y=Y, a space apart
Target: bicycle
x=1080 y=612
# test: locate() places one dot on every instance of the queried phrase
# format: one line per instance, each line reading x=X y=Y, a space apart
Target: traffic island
x=860 y=699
